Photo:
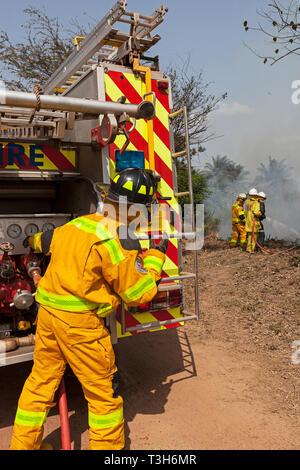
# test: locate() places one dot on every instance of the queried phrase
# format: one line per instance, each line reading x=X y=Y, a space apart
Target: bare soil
x=226 y=381
x=251 y=302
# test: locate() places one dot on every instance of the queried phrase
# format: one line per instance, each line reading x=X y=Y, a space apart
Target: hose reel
x=111 y=126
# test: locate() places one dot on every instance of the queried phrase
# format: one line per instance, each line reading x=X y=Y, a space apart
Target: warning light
x=129 y=159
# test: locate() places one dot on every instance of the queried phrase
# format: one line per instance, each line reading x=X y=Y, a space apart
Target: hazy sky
x=258 y=118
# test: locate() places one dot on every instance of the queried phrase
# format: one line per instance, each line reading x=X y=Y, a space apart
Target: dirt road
x=225 y=382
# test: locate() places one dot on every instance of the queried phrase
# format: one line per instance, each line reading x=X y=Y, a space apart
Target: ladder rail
x=189 y=193
x=190 y=178
x=157 y=18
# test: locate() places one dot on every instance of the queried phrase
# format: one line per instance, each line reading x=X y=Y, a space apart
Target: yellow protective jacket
x=91 y=269
x=252 y=209
x=238 y=213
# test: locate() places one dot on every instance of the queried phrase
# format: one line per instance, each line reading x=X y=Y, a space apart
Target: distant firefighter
x=252 y=211
x=238 y=223
x=261 y=234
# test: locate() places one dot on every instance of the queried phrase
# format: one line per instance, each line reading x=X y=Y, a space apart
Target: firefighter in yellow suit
x=252 y=211
x=238 y=223
x=261 y=197
x=90 y=272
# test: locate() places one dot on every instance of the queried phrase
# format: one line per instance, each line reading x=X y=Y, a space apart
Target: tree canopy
x=275 y=172
x=222 y=172
x=190 y=89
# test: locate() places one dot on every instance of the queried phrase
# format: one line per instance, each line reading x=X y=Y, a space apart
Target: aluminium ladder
x=106 y=43
x=191 y=236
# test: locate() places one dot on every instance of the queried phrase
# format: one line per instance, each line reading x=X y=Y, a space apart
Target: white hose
x=10 y=344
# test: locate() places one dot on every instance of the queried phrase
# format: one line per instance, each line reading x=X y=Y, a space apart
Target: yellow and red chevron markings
x=26 y=156
x=127 y=84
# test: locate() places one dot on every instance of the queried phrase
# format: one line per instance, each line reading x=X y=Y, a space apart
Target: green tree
x=277 y=180
x=200 y=186
x=223 y=172
x=274 y=173
x=190 y=90
x=200 y=190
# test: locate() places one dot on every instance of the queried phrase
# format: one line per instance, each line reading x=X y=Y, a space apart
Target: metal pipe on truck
x=143 y=110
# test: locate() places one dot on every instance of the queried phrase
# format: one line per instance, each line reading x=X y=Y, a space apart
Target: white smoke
x=280 y=231
x=282 y=204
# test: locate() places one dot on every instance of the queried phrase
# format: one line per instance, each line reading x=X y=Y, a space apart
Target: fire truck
x=106 y=108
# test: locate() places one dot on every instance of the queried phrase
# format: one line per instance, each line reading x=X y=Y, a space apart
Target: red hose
x=64 y=418
x=264 y=249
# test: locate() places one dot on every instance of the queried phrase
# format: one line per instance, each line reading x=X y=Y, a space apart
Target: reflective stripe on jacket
x=90 y=269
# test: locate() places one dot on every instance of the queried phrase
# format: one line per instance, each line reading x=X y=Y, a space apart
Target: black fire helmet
x=136 y=184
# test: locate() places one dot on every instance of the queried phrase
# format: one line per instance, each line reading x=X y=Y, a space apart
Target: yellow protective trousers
x=251 y=245
x=83 y=342
x=238 y=231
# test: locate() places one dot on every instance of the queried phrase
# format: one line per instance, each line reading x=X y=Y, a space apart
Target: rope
x=37 y=90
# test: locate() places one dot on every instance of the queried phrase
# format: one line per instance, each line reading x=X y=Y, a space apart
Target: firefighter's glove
x=26 y=242
x=162 y=246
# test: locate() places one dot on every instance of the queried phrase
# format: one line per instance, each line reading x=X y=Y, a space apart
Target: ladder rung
x=172 y=115
x=140 y=23
x=187 y=193
x=165 y=287
x=181 y=276
x=117 y=39
x=158 y=324
x=179 y=154
x=144 y=17
x=60 y=90
x=103 y=48
x=148 y=43
x=178 y=235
